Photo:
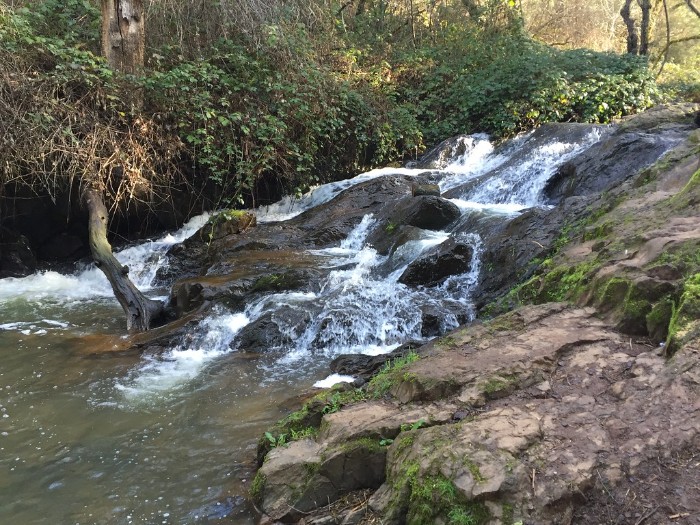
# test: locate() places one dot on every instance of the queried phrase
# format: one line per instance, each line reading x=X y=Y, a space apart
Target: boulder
x=272 y=330
x=225 y=223
x=428 y=212
x=16 y=256
x=441 y=155
x=437 y=264
x=365 y=366
x=426 y=189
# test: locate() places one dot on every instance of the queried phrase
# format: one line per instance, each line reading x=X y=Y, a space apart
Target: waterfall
x=359 y=307
x=162 y=436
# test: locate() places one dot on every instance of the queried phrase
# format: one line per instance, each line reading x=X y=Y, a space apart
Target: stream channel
x=171 y=438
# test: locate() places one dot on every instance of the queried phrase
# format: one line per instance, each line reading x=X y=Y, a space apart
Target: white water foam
x=358 y=308
x=479 y=157
x=89 y=282
x=504 y=209
x=522 y=184
x=333 y=379
x=159 y=375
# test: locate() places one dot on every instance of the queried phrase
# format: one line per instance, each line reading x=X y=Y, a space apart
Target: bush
x=511 y=83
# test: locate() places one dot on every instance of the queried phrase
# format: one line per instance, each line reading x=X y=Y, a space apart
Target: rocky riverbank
x=577 y=404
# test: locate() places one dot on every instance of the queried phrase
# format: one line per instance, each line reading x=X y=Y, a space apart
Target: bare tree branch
x=692 y=7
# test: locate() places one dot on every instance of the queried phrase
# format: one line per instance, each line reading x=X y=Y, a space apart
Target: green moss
x=504 y=323
x=390 y=375
x=508 y=516
x=435 y=497
x=684 y=258
x=228 y=215
x=405 y=442
x=685 y=319
x=258 y=487
x=390 y=227
x=447 y=341
x=367 y=444
x=612 y=293
x=475 y=472
x=598 y=231
x=659 y=318
x=495 y=384
x=277 y=282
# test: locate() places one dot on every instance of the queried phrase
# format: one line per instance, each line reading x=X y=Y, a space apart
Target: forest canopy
x=245 y=100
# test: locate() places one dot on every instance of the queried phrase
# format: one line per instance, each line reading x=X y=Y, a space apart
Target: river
x=171 y=438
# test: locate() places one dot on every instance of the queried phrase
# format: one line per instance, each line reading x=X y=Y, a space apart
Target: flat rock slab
x=524 y=417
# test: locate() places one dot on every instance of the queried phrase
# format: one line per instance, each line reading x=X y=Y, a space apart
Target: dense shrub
x=510 y=83
x=243 y=118
x=283 y=108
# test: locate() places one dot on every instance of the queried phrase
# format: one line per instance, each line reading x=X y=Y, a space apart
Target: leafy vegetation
x=302 y=93
x=390 y=375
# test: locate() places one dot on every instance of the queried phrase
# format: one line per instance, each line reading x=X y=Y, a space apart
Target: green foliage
x=297 y=101
x=76 y=23
x=407 y=427
x=510 y=83
x=243 y=118
x=337 y=400
x=390 y=375
x=435 y=496
x=276 y=441
x=681 y=81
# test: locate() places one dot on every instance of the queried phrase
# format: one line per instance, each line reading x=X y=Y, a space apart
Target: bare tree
x=632 y=38
x=123 y=46
x=123 y=34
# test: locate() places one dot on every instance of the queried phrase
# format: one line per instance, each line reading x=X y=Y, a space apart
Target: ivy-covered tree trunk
x=123 y=34
x=140 y=310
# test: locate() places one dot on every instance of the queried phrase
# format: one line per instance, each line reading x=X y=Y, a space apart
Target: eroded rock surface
x=521 y=417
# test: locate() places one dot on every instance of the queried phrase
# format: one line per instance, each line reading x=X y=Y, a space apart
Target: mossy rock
x=659 y=319
x=685 y=322
x=227 y=222
x=306 y=421
x=278 y=282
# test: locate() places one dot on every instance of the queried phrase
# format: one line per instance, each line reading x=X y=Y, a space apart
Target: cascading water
x=154 y=439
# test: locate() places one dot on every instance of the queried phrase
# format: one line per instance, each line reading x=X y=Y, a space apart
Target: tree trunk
x=123 y=34
x=139 y=309
x=632 y=39
x=645 y=5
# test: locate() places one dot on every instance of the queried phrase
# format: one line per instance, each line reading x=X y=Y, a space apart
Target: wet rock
x=685 y=323
x=633 y=145
x=365 y=366
x=354 y=465
x=225 y=223
x=437 y=264
x=273 y=330
x=426 y=189
x=442 y=154
x=288 y=482
x=428 y=212
x=389 y=238
x=16 y=256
